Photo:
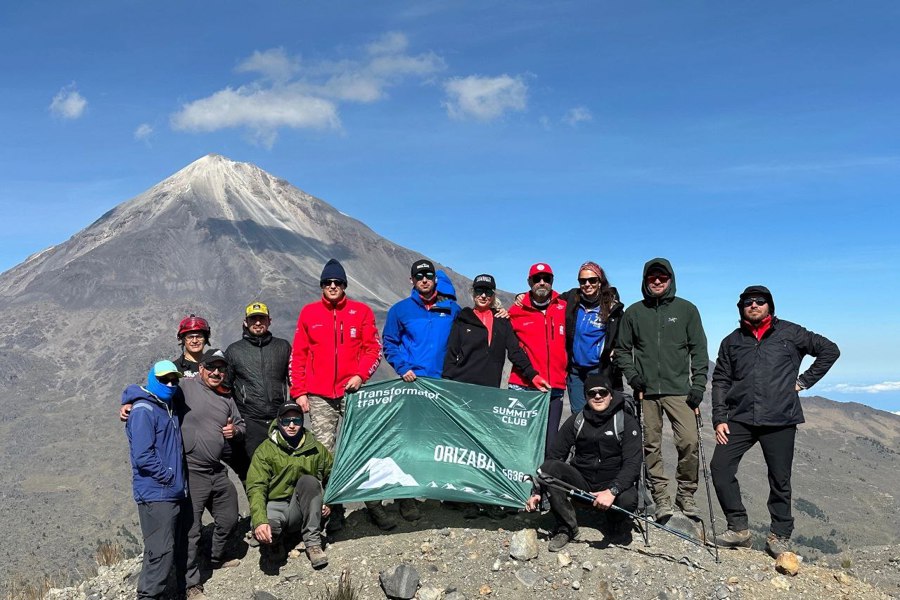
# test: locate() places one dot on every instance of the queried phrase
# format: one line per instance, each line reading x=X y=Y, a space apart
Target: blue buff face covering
x=159 y=389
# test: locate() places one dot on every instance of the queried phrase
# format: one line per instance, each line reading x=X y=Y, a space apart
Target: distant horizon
x=746 y=144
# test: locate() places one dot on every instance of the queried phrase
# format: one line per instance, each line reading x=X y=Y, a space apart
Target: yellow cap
x=256 y=308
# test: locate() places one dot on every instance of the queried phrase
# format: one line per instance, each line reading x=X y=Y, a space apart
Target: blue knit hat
x=333 y=270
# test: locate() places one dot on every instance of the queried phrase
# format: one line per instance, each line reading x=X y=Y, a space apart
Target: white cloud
x=875 y=388
x=272 y=64
x=305 y=95
x=68 y=103
x=143 y=132
x=484 y=98
x=579 y=114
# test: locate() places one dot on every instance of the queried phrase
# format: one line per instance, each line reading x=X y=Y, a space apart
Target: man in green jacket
x=284 y=485
x=661 y=350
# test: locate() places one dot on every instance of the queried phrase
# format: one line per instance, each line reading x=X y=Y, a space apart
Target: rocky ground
x=446 y=556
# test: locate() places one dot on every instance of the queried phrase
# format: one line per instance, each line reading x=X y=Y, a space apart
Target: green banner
x=440 y=439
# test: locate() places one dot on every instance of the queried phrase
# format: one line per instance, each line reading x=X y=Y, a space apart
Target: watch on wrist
x=614 y=490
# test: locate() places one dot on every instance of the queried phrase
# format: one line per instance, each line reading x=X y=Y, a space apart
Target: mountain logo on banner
x=382 y=472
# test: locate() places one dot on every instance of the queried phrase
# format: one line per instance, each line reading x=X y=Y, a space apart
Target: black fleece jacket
x=258 y=374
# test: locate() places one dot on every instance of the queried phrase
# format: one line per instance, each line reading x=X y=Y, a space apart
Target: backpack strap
x=579 y=423
x=619 y=424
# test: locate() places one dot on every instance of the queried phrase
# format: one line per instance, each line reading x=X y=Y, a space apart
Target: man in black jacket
x=258 y=379
x=755 y=399
x=606 y=462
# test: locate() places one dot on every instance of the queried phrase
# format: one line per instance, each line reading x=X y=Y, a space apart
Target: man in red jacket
x=336 y=349
x=540 y=325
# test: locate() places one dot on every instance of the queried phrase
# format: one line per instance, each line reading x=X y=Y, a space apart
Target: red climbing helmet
x=193 y=323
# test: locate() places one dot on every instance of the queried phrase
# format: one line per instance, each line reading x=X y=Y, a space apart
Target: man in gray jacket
x=210 y=419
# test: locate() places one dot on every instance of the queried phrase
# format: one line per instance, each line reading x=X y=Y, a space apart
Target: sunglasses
x=662 y=278
x=428 y=275
x=169 y=380
x=543 y=277
x=598 y=393
x=332 y=282
x=757 y=301
x=287 y=422
x=214 y=368
x=590 y=280
x=482 y=292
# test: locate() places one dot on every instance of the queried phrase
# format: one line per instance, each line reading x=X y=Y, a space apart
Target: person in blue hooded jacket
x=415 y=340
x=159 y=478
x=415 y=334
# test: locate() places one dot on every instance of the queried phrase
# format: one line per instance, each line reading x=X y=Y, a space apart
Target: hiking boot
x=777 y=545
x=561 y=539
x=195 y=592
x=735 y=539
x=225 y=564
x=409 y=509
x=317 y=557
x=471 y=511
x=380 y=516
x=664 y=512
x=620 y=532
x=687 y=506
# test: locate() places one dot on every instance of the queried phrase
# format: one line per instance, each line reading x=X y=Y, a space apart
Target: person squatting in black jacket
x=755 y=398
x=601 y=464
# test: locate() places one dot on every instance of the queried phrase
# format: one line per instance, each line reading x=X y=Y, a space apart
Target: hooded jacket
x=542 y=335
x=205 y=413
x=573 y=301
x=471 y=359
x=156 y=449
x=661 y=340
x=276 y=467
x=415 y=338
x=333 y=343
x=258 y=374
x=601 y=458
x=754 y=382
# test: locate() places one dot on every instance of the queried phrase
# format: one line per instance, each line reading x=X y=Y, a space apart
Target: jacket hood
x=444 y=285
x=756 y=290
x=134 y=392
x=664 y=264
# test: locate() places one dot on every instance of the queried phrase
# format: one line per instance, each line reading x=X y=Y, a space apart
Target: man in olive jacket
x=284 y=485
x=755 y=399
x=661 y=350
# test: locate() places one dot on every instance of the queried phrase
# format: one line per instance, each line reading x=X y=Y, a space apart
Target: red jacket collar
x=758 y=331
x=340 y=303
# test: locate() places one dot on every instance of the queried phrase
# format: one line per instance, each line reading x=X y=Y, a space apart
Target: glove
x=638 y=384
x=695 y=397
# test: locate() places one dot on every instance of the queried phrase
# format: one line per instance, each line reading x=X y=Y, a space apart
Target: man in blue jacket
x=158 y=478
x=415 y=337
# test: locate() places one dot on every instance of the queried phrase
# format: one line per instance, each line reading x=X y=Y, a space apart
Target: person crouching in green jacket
x=284 y=485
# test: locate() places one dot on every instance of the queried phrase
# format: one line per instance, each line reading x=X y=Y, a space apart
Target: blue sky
x=748 y=143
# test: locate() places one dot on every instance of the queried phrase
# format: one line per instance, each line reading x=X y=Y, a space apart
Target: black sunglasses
x=590 y=280
x=542 y=277
x=758 y=301
x=332 y=282
x=429 y=276
x=214 y=368
x=287 y=422
x=484 y=292
x=598 y=393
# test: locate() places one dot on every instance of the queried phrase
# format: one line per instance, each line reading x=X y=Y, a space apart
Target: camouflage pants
x=325 y=416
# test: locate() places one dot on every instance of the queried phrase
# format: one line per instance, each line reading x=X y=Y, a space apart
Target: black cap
x=757 y=290
x=596 y=380
x=484 y=282
x=333 y=270
x=213 y=355
x=421 y=266
x=288 y=407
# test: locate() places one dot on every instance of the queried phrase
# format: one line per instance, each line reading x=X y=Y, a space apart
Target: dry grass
x=20 y=589
x=344 y=590
x=109 y=553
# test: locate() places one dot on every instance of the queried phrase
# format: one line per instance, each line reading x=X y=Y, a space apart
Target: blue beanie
x=333 y=270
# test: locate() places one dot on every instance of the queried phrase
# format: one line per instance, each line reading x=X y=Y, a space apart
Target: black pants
x=561 y=506
x=241 y=453
x=777 y=444
x=210 y=490
x=164 y=527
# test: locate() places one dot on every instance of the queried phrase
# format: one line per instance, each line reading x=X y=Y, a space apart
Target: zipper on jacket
x=262 y=374
x=658 y=349
x=335 y=332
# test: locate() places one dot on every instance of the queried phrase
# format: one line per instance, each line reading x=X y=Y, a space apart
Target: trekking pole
x=580 y=494
x=642 y=479
x=712 y=514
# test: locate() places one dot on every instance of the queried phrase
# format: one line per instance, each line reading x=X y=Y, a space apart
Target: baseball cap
x=484 y=282
x=421 y=266
x=288 y=407
x=213 y=355
x=539 y=268
x=166 y=367
x=256 y=308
